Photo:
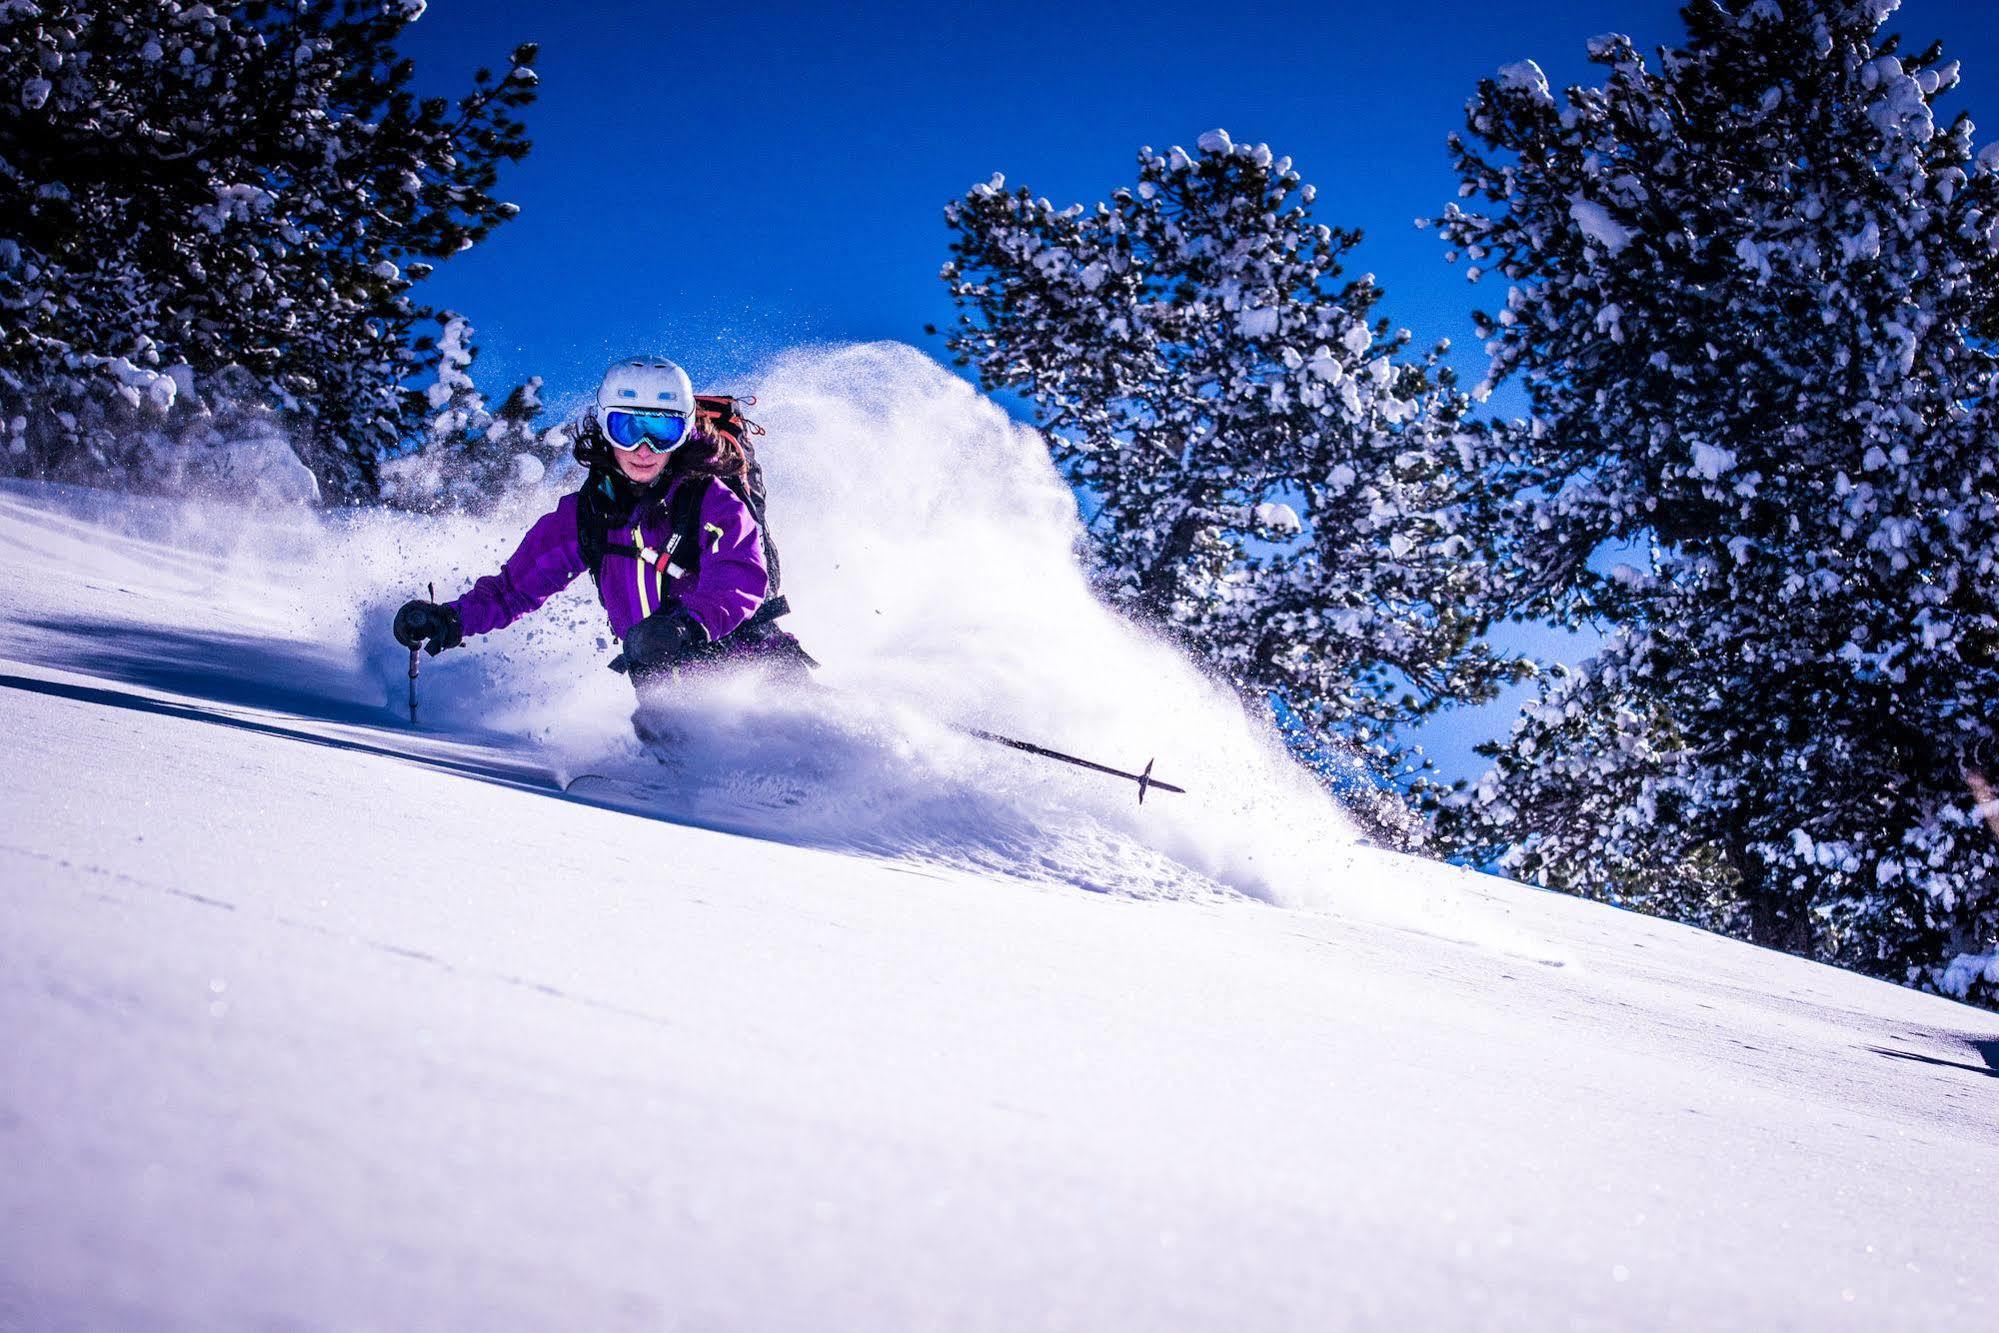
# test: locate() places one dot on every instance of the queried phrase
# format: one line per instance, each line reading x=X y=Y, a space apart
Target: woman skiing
x=665 y=525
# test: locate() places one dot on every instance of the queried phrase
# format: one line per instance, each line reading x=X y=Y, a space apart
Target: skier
x=669 y=525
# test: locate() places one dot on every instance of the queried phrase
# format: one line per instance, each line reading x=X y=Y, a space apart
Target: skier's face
x=641 y=465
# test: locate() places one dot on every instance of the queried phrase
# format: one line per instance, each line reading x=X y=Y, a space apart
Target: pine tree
x=1745 y=293
x=471 y=458
x=190 y=187
x=1269 y=477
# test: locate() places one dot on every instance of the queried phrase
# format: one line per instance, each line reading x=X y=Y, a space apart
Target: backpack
x=721 y=414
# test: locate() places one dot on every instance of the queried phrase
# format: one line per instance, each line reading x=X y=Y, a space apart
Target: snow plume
x=931 y=552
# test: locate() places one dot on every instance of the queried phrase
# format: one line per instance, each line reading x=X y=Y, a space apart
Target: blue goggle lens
x=662 y=430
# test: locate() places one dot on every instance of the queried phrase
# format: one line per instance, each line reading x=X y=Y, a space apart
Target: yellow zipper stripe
x=645 y=595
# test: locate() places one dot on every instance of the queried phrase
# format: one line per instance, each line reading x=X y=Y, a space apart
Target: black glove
x=418 y=621
x=663 y=640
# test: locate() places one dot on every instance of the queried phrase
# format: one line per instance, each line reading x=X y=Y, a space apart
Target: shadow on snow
x=841 y=788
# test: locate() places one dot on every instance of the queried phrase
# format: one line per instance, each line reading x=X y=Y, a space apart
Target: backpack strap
x=683 y=522
x=599 y=534
x=685 y=540
x=722 y=414
x=593 y=528
x=680 y=556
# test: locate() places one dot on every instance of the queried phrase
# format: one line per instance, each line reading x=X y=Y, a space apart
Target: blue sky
x=721 y=181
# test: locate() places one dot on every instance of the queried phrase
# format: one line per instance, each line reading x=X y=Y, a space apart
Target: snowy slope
x=308 y=1020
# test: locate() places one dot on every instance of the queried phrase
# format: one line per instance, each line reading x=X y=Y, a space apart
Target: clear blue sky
x=720 y=181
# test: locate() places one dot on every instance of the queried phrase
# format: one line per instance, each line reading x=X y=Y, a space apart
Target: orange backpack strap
x=722 y=414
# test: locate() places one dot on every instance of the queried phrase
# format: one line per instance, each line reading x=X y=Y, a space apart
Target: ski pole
x=1144 y=779
x=432 y=590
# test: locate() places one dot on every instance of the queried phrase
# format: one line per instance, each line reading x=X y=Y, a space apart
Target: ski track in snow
x=314 y=1020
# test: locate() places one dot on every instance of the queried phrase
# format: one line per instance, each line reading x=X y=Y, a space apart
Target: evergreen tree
x=471 y=458
x=1268 y=476
x=1745 y=285
x=188 y=187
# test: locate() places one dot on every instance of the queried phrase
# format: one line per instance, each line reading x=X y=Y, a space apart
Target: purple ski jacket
x=722 y=593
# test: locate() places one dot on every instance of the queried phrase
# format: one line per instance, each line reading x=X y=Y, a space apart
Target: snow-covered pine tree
x=1745 y=288
x=1268 y=476
x=471 y=458
x=186 y=187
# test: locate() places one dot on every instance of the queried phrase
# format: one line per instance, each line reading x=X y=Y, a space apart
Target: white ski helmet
x=646 y=384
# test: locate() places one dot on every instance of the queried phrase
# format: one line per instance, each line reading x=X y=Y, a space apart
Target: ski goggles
x=664 y=431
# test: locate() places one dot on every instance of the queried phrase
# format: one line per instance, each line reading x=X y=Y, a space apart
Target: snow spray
x=938 y=566
x=937 y=563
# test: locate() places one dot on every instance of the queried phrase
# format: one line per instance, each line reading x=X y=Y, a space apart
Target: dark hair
x=710 y=454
